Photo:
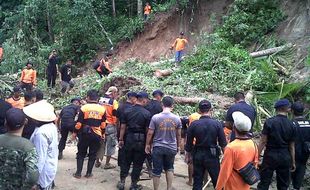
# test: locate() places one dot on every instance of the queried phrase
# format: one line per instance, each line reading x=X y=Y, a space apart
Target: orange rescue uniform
x=111 y=107
x=227 y=133
x=1 y=53
x=29 y=76
x=19 y=103
x=147 y=9
x=94 y=116
x=237 y=154
x=179 y=44
x=106 y=65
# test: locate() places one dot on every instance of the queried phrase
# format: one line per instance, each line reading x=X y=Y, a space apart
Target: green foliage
x=249 y=20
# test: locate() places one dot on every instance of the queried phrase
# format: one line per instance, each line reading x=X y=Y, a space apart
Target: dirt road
x=107 y=179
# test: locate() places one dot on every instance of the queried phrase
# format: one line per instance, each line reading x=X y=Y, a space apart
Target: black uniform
x=66 y=73
x=137 y=120
x=67 y=117
x=280 y=131
x=52 y=71
x=4 y=106
x=302 y=144
x=208 y=133
x=154 y=107
x=29 y=128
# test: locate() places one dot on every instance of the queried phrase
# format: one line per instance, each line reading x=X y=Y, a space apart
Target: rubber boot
x=90 y=166
x=79 y=167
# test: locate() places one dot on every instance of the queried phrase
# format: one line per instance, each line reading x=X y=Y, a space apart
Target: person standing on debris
x=237 y=155
x=179 y=45
x=154 y=106
x=108 y=144
x=134 y=125
x=131 y=101
x=302 y=144
x=91 y=125
x=242 y=106
x=67 y=122
x=16 y=100
x=52 y=69
x=165 y=130
x=66 y=79
x=147 y=11
x=278 y=136
x=103 y=66
x=205 y=153
x=18 y=156
x=45 y=139
x=28 y=78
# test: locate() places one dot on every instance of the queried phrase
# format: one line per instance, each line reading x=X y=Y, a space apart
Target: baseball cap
x=241 y=121
x=142 y=95
x=298 y=107
x=282 y=103
x=157 y=92
x=111 y=89
x=204 y=105
x=131 y=94
x=15 y=118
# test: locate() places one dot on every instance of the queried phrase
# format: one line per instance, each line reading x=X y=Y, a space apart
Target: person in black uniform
x=278 y=137
x=67 y=123
x=131 y=101
x=302 y=144
x=66 y=79
x=4 y=106
x=52 y=69
x=205 y=153
x=154 y=106
x=134 y=125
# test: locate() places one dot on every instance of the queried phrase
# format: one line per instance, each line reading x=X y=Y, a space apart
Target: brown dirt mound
x=123 y=84
x=154 y=42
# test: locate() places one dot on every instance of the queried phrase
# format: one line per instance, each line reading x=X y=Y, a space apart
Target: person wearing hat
x=179 y=45
x=45 y=139
x=16 y=100
x=28 y=77
x=134 y=125
x=67 y=122
x=18 y=156
x=131 y=101
x=278 y=136
x=237 y=155
x=90 y=126
x=204 y=154
x=242 y=106
x=154 y=106
x=66 y=79
x=52 y=69
x=302 y=144
x=164 y=134
x=108 y=145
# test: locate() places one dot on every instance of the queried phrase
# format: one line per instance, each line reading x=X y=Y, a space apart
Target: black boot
x=79 y=167
x=60 y=155
x=90 y=166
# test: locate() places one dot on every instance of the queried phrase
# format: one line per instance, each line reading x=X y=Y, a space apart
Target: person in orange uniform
x=147 y=10
x=16 y=100
x=179 y=45
x=237 y=154
x=90 y=126
x=193 y=117
x=104 y=68
x=108 y=145
x=28 y=78
x=1 y=53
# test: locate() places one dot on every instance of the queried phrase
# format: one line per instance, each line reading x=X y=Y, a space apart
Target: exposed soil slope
x=158 y=35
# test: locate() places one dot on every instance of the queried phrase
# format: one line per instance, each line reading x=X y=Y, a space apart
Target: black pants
x=278 y=160
x=51 y=78
x=134 y=155
x=64 y=131
x=204 y=161
x=27 y=86
x=298 y=175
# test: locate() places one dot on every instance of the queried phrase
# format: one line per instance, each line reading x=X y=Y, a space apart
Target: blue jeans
x=178 y=56
x=163 y=158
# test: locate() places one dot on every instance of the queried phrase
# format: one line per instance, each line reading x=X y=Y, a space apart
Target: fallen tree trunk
x=270 y=51
x=186 y=100
x=163 y=73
